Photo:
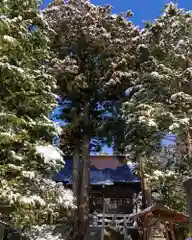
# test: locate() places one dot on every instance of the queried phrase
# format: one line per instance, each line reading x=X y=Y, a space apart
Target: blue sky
x=144 y=10
x=147 y=10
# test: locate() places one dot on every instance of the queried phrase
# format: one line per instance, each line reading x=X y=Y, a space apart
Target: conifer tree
x=94 y=63
x=28 y=196
x=161 y=104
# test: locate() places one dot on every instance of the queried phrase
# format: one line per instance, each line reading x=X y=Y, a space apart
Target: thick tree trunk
x=76 y=183
x=2 y=228
x=84 y=194
x=188 y=188
x=76 y=165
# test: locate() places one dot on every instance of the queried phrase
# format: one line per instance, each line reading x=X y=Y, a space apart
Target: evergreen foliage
x=94 y=63
x=28 y=196
x=162 y=103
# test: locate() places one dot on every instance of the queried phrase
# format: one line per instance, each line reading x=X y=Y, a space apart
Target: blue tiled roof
x=122 y=174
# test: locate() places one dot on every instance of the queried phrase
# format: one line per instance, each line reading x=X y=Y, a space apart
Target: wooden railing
x=121 y=222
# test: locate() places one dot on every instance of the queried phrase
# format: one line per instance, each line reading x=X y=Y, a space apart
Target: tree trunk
x=2 y=228
x=142 y=178
x=76 y=165
x=189 y=143
x=76 y=182
x=146 y=194
x=188 y=188
x=84 y=194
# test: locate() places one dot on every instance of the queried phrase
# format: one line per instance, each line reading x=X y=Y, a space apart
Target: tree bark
x=188 y=188
x=189 y=143
x=146 y=194
x=76 y=183
x=84 y=194
x=2 y=228
x=142 y=179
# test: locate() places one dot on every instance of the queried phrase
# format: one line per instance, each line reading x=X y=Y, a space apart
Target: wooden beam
x=164 y=218
x=161 y=212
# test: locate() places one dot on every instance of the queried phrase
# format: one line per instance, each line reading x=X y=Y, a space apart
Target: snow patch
x=50 y=153
x=158 y=173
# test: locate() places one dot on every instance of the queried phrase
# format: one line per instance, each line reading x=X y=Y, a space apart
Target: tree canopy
x=28 y=196
x=161 y=104
x=94 y=63
x=93 y=59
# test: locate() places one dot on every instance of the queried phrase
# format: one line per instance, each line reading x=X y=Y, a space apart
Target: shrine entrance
x=113 y=222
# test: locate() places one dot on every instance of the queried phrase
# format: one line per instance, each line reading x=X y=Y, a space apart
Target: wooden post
x=166 y=231
x=125 y=232
x=172 y=231
x=103 y=218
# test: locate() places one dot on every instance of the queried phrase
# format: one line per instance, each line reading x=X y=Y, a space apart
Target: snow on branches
x=28 y=195
x=162 y=103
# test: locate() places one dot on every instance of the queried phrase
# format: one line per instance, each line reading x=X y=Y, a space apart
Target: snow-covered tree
x=28 y=196
x=94 y=63
x=161 y=103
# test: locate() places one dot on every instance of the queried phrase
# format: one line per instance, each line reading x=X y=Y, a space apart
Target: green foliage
x=162 y=103
x=27 y=194
x=94 y=62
